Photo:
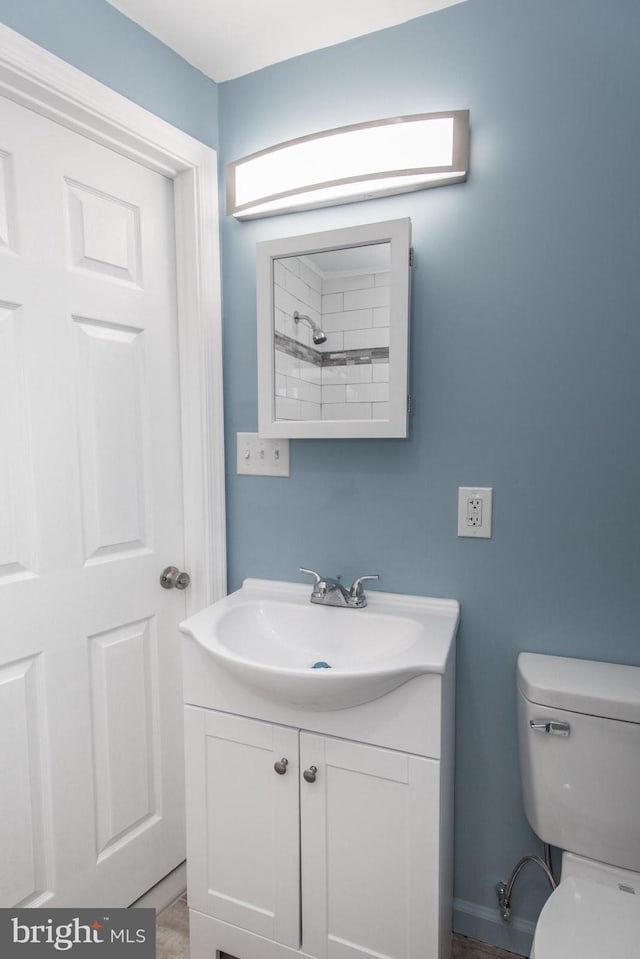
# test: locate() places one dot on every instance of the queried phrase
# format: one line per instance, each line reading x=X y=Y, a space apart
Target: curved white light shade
x=351 y=163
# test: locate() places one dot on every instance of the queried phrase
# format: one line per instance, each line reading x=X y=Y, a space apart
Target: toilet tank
x=581 y=778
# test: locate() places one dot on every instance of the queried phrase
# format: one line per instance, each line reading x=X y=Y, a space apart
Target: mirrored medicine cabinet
x=333 y=332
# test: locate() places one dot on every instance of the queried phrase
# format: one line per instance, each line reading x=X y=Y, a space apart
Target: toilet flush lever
x=553 y=726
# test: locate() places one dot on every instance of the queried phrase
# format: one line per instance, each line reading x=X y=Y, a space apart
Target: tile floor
x=172 y=931
x=464 y=948
x=172 y=938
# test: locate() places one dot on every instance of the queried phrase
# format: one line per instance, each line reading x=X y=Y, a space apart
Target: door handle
x=172 y=578
x=310 y=774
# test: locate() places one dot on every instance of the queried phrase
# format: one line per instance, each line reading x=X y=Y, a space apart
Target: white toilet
x=579 y=734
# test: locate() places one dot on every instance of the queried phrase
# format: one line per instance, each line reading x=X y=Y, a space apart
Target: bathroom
x=523 y=374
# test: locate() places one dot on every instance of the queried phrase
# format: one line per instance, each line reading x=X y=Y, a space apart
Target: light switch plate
x=474 y=511
x=259 y=456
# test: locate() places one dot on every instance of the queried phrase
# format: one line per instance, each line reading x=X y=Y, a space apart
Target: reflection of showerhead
x=318 y=335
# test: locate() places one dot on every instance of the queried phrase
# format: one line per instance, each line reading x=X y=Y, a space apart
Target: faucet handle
x=319 y=585
x=312 y=572
x=356 y=591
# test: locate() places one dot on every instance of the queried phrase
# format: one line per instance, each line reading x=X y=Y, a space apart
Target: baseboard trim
x=480 y=922
x=165 y=892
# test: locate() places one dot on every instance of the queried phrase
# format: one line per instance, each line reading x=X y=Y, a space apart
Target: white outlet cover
x=485 y=495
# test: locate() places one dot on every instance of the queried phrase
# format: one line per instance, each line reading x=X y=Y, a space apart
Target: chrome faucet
x=330 y=592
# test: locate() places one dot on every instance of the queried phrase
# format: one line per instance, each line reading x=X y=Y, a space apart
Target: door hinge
x=409 y=403
x=411 y=258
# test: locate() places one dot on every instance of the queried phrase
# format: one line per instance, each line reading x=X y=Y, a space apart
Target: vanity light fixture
x=346 y=164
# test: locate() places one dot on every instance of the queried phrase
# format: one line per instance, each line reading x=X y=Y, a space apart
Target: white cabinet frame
x=397 y=233
x=336 y=857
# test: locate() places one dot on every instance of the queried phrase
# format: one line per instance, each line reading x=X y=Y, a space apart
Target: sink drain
x=321 y=665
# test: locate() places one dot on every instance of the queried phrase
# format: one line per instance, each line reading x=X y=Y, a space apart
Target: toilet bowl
x=579 y=738
x=585 y=918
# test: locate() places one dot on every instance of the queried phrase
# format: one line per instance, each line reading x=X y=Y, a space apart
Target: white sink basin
x=274 y=640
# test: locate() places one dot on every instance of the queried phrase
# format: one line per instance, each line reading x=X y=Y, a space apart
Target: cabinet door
x=369 y=852
x=243 y=844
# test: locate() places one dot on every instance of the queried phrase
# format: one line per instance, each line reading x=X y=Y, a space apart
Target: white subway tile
x=299 y=289
x=357 y=373
x=298 y=389
x=315 y=300
x=382 y=316
x=333 y=303
x=310 y=277
x=380 y=372
x=383 y=279
x=309 y=372
x=281 y=384
x=288 y=409
x=351 y=373
x=362 y=299
x=333 y=394
x=366 y=339
x=311 y=411
x=290 y=263
x=297 y=369
x=347 y=411
x=284 y=301
x=284 y=362
x=338 y=284
x=333 y=344
x=280 y=321
x=368 y=393
x=312 y=392
x=279 y=274
x=352 y=320
x=380 y=411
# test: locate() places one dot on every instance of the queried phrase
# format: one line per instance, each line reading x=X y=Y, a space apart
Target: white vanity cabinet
x=244 y=823
x=341 y=866
x=319 y=801
x=367 y=832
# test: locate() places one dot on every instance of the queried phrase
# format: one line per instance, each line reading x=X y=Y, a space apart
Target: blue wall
x=524 y=370
x=526 y=330
x=95 y=37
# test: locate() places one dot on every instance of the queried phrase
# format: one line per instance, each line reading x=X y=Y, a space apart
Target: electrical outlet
x=258 y=456
x=474 y=511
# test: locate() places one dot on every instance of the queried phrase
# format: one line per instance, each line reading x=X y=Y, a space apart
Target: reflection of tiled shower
x=347 y=377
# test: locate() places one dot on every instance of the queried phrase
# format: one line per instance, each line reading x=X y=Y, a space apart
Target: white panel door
x=91 y=784
x=369 y=827
x=244 y=839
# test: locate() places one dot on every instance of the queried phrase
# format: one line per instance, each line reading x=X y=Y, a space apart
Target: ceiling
x=228 y=38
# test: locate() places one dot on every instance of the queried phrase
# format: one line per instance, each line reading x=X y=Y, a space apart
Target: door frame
x=42 y=82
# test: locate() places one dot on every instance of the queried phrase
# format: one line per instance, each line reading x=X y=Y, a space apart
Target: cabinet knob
x=281 y=766
x=310 y=774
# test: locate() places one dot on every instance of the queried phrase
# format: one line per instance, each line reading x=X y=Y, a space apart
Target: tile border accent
x=286 y=344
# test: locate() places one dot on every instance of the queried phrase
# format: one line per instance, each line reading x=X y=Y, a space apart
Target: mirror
x=333 y=331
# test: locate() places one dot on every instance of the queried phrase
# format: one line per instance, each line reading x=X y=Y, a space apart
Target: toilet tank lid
x=581 y=686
